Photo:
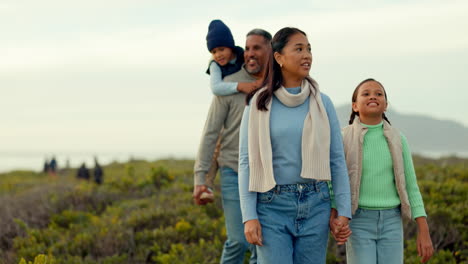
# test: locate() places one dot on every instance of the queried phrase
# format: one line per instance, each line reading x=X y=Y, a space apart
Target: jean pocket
x=266 y=197
x=324 y=191
x=395 y=211
x=357 y=213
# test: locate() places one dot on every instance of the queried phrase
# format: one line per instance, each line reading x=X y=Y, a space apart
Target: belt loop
x=278 y=189
x=316 y=186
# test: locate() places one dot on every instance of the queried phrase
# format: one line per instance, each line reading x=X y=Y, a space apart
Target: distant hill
x=425 y=134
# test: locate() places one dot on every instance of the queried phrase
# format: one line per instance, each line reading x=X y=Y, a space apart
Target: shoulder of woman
x=325 y=97
x=327 y=102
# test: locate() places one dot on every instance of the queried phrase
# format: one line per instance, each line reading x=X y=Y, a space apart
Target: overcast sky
x=129 y=76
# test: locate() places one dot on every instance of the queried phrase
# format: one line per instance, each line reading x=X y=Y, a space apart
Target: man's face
x=255 y=54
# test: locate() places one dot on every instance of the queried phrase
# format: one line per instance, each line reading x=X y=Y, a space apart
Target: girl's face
x=222 y=55
x=295 y=58
x=370 y=100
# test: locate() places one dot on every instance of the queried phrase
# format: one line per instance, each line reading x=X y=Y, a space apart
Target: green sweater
x=378 y=189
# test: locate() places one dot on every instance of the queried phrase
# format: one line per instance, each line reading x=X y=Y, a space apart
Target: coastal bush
x=144 y=213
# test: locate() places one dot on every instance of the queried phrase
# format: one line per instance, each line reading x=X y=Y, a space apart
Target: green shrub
x=144 y=213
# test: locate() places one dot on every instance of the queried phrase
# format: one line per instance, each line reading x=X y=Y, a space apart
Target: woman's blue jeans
x=294 y=220
x=236 y=244
x=377 y=237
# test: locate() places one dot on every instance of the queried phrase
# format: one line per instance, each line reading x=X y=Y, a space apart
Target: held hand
x=342 y=232
x=340 y=229
x=197 y=191
x=332 y=225
x=333 y=215
x=424 y=242
x=253 y=232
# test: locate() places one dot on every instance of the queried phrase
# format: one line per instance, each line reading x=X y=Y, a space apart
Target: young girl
x=290 y=146
x=383 y=183
x=226 y=59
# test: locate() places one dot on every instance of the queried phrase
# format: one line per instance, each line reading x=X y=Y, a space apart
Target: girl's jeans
x=377 y=237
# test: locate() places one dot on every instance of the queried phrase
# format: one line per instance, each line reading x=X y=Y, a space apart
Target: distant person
x=225 y=115
x=383 y=183
x=45 y=169
x=53 y=167
x=83 y=172
x=98 y=172
x=67 y=164
x=227 y=58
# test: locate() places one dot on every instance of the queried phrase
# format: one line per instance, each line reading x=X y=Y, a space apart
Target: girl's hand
x=424 y=242
x=253 y=232
x=339 y=227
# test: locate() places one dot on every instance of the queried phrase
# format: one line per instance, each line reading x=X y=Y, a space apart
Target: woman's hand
x=253 y=232
x=424 y=242
x=339 y=227
x=342 y=230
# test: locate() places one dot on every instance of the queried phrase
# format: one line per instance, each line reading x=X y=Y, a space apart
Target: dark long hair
x=354 y=98
x=273 y=75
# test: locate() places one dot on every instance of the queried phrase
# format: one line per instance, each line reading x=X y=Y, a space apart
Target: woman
x=290 y=147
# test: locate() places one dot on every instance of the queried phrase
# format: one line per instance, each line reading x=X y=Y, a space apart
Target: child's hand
x=339 y=227
x=248 y=87
x=258 y=83
x=423 y=241
x=341 y=230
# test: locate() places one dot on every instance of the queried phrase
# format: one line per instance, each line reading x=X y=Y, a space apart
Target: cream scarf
x=315 y=138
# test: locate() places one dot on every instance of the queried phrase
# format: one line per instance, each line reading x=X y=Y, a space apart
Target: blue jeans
x=236 y=244
x=377 y=237
x=294 y=220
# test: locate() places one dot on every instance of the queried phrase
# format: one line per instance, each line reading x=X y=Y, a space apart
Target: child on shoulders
x=227 y=58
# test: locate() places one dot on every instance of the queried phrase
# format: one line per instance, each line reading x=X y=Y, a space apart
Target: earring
x=281 y=65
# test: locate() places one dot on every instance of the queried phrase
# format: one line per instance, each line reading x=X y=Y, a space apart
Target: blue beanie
x=219 y=35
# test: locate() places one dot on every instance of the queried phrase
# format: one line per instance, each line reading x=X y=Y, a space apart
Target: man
x=226 y=114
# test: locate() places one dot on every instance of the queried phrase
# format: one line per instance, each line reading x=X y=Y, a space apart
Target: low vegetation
x=143 y=213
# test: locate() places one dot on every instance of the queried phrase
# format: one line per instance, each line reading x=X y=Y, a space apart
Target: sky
x=129 y=76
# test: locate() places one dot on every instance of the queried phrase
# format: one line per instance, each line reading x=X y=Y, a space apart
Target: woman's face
x=295 y=58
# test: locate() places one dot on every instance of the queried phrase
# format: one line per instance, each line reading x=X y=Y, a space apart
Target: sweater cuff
x=418 y=212
x=343 y=205
x=249 y=213
x=199 y=178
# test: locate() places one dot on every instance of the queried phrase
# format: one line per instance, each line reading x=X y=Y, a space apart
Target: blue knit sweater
x=286 y=125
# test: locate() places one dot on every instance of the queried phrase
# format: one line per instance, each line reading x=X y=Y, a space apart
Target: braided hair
x=354 y=98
